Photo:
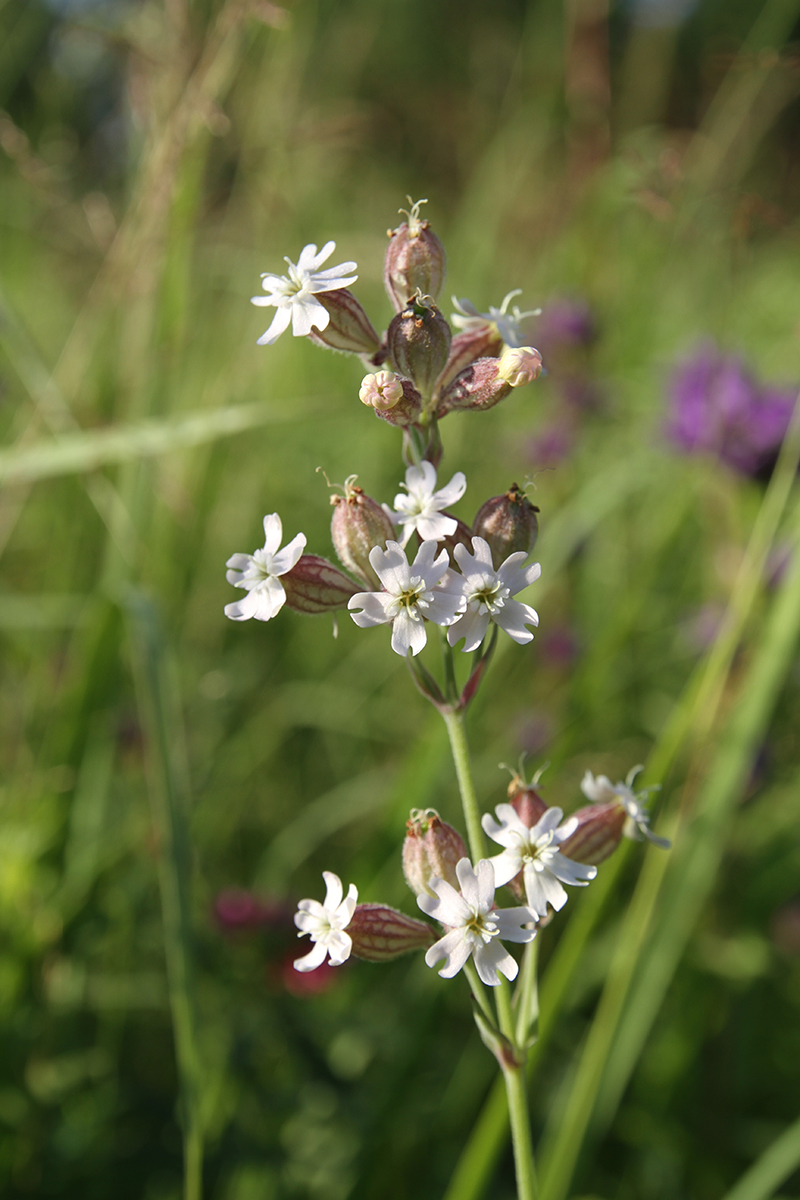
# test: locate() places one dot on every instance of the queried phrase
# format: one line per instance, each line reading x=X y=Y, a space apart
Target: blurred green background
x=173 y=782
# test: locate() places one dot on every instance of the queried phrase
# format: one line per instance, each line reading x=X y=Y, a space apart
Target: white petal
x=280 y=322
x=289 y=556
x=548 y=820
x=268 y=598
x=309 y=259
x=408 y=634
x=445 y=606
x=468 y=882
x=472 y=626
x=452 y=491
x=514 y=578
x=339 y=947
x=541 y=889
x=391 y=567
x=238 y=562
x=493 y=958
x=307 y=313
x=597 y=788
x=273 y=533
x=435 y=527
x=315 y=958
x=446 y=905
x=334 y=890
x=345 y=910
x=569 y=871
x=511 y=924
x=454 y=948
x=484 y=873
x=512 y=619
x=374 y=606
x=421 y=478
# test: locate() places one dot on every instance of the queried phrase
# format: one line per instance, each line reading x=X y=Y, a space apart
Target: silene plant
x=414 y=567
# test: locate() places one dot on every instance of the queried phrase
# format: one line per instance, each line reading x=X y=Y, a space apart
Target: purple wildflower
x=717 y=407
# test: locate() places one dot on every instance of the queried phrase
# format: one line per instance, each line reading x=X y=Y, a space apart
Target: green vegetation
x=155 y=157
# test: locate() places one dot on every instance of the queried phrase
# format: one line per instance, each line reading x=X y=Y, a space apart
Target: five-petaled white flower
x=474 y=926
x=488 y=595
x=600 y=789
x=293 y=294
x=410 y=595
x=258 y=574
x=421 y=509
x=325 y=924
x=535 y=852
x=508 y=325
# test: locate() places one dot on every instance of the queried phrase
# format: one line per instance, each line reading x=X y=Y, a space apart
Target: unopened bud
x=478 y=386
x=382 y=390
x=466 y=347
x=519 y=365
x=418 y=341
x=431 y=848
x=315 y=585
x=508 y=523
x=528 y=804
x=415 y=259
x=380 y=933
x=349 y=328
x=358 y=524
x=394 y=399
x=599 y=832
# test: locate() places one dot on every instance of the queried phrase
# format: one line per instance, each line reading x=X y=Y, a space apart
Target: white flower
x=535 y=852
x=488 y=595
x=258 y=574
x=325 y=924
x=508 y=325
x=474 y=926
x=600 y=789
x=410 y=595
x=421 y=509
x=293 y=294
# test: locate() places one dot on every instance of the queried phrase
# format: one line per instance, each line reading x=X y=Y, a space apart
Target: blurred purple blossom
x=551 y=444
x=566 y=323
x=717 y=407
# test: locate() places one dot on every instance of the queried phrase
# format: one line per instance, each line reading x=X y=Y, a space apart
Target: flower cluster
x=465 y=596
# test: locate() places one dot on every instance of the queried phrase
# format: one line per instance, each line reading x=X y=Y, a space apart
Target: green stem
x=458 y=744
x=479 y=992
x=517 y=1093
x=527 y=996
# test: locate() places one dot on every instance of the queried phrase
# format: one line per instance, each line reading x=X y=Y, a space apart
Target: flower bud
x=508 y=523
x=466 y=347
x=380 y=933
x=315 y=585
x=349 y=328
x=358 y=524
x=526 y=801
x=431 y=848
x=415 y=259
x=599 y=832
x=519 y=365
x=418 y=341
x=477 y=386
x=394 y=399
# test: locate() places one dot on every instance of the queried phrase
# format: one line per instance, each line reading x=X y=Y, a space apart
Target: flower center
x=490 y=596
x=480 y=929
x=413 y=597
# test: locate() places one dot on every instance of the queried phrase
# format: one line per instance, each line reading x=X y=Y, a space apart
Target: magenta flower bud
x=519 y=365
x=315 y=585
x=380 y=933
x=600 y=830
x=394 y=399
x=349 y=328
x=432 y=848
x=415 y=259
x=466 y=347
x=477 y=387
x=418 y=341
x=358 y=524
x=508 y=523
